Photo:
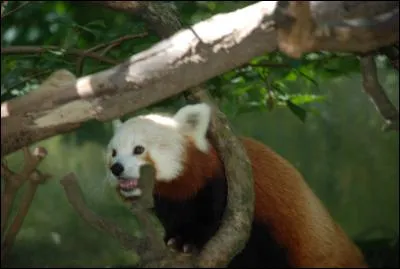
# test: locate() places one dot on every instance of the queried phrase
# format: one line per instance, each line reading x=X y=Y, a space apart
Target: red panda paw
x=176 y=244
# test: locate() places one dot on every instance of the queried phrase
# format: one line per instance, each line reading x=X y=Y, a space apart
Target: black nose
x=117 y=169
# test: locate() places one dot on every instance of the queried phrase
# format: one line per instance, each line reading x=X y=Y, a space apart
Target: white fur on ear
x=193 y=120
x=116 y=124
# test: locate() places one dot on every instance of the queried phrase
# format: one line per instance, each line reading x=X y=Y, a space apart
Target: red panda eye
x=113 y=153
x=138 y=150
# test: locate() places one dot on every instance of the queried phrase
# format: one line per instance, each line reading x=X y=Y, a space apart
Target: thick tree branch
x=168 y=68
x=336 y=12
x=377 y=94
x=302 y=26
x=132 y=7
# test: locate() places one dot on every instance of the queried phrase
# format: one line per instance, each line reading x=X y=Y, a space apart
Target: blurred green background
x=340 y=149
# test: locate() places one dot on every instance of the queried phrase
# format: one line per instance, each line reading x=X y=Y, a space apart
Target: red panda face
x=157 y=140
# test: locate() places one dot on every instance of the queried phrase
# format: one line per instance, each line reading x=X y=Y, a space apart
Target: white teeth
x=131 y=193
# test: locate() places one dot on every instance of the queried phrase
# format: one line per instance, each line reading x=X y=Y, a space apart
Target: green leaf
x=298 y=111
x=307 y=74
x=242 y=90
x=300 y=99
x=292 y=76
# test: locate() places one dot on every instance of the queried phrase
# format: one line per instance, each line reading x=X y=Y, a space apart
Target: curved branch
x=232 y=236
x=151 y=247
x=75 y=198
x=15 y=50
x=377 y=94
x=235 y=228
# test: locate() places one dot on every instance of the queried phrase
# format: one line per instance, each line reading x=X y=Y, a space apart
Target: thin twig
x=118 y=41
x=35 y=179
x=3 y=7
x=12 y=183
x=377 y=94
x=13 y=50
x=108 y=45
x=30 y=77
x=15 y=181
x=15 y=9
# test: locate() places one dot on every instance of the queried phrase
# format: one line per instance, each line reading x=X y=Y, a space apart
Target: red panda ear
x=193 y=121
x=116 y=124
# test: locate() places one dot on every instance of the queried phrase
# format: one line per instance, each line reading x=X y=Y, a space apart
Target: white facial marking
x=163 y=138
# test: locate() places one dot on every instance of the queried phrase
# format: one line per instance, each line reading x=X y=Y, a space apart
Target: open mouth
x=129 y=187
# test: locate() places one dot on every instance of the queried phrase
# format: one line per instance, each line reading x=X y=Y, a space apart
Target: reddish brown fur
x=193 y=178
x=297 y=218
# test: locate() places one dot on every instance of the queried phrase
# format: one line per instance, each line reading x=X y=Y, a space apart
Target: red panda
x=291 y=227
